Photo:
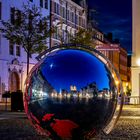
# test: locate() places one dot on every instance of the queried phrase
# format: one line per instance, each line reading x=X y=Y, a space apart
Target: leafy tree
x=29 y=29
x=83 y=36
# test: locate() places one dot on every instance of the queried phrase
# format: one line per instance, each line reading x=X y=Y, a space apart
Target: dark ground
x=15 y=126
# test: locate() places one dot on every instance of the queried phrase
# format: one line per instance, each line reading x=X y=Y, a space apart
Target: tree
x=29 y=29
x=83 y=36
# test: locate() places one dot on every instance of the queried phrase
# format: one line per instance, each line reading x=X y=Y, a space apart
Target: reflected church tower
x=135 y=70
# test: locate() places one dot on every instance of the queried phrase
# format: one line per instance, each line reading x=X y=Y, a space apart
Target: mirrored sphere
x=71 y=94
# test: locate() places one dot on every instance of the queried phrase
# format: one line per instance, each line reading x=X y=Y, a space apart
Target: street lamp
x=138 y=62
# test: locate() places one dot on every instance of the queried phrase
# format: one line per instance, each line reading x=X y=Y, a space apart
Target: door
x=14 y=82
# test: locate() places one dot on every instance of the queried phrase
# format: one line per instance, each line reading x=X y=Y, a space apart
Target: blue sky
x=74 y=67
x=114 y=16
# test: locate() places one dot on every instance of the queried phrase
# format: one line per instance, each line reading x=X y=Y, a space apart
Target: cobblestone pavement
x=19 y=128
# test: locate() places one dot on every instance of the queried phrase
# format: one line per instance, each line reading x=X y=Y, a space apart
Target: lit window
x=76 y=19
x=73 y=17
x=11 y=48
x=18 y=50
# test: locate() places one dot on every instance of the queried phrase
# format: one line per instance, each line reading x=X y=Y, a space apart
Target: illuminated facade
x=68 y=17
x=135 y=69
x=118 y=57
x=13 y=56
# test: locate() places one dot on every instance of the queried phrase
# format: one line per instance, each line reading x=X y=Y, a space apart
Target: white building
x=67 y=13
x=12 y=56
x=135 y=70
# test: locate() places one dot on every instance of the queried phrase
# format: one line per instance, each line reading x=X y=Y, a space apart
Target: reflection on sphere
x=70 y=94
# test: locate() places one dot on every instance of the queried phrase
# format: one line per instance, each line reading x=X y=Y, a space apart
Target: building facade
x=118 y=57
x=135 y=69
x=67 y=17
x=12 y=56
x=98 y=37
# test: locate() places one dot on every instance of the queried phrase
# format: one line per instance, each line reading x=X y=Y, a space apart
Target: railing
x=131 y=100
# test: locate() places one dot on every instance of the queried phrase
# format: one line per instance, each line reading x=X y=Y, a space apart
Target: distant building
x=118 y=57
x=73 y=88
x=90 y=90
x=135 y=69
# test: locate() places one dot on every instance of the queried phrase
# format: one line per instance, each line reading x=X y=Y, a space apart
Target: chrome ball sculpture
x=72 y=93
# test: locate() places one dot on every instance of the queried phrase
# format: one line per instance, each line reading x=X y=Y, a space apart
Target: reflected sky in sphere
x=74 y=67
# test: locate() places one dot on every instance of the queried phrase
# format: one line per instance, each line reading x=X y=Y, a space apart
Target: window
x=76 y=19
x=0 y=10
x=58 y=9
x=55 y=9
x=0 y=86
x=15 y=16
x=0 y=43
x=12 y=15
x=31 y=0
x=11 y=48
x=41 y=3
x=64 y=13
x=18 y=50
x=68 y=17
x=18 y=17
x=73 y=17
x=46 y=4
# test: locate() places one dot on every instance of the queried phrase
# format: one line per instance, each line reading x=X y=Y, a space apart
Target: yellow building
x=118 y=57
